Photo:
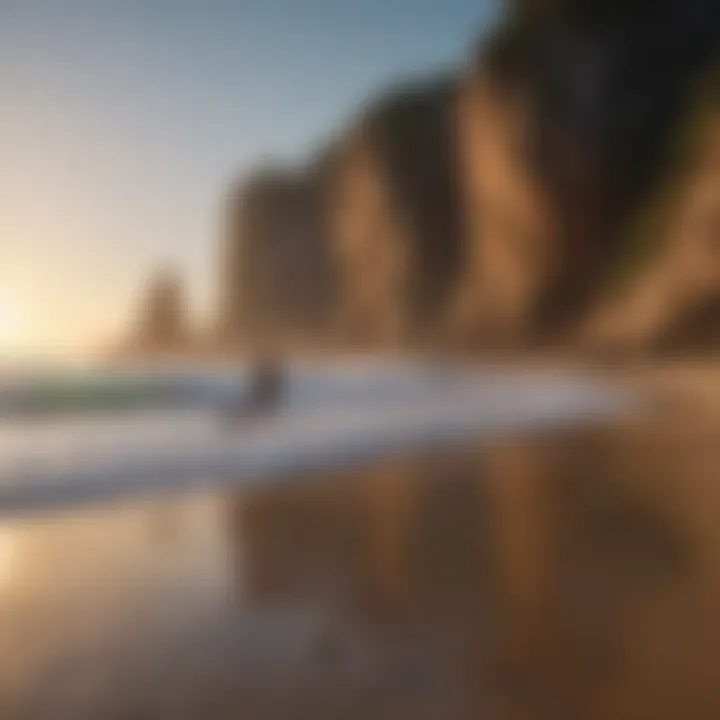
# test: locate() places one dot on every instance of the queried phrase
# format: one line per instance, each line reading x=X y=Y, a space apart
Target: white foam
x=336 y=416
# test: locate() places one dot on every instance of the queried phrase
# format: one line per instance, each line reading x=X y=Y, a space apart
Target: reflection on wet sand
x=534 y=576
x=570 y=576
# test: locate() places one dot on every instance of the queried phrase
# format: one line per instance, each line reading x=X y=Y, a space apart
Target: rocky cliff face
x=394 y=217
x=568 y=119
x=563 y=189
x=277 y=280
x=512 y=251
x=672 y=301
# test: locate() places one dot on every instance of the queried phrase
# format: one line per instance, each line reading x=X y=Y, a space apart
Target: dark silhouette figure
x=265 y=395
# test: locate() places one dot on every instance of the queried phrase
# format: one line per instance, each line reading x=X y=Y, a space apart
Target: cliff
x=394 y=216
x=569 y=117
x=563 y=189
x=669 y=297
x=276 y=274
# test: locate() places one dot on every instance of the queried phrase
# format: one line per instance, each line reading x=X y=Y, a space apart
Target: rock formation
x=562 y=190
x=567 y=120
x=277 y=280
x=394 y=217
x=673 y=301
x=163 y=326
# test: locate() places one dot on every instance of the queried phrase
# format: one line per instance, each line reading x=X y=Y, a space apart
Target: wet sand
x=568 y=575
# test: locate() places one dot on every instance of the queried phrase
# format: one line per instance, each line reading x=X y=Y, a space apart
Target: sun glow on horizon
x=10 y=325
x=7 y=558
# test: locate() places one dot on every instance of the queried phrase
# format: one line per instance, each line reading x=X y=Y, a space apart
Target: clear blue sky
x=123 y=120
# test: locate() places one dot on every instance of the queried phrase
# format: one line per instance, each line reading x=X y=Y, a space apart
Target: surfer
x=266 y=392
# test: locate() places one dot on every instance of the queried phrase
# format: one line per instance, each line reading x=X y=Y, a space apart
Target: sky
x=123 y=121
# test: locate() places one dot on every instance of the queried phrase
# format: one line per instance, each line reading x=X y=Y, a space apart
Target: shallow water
x=570 y=575
x=337 y=416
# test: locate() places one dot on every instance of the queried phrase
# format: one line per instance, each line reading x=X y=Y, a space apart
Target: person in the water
x=266 y=392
